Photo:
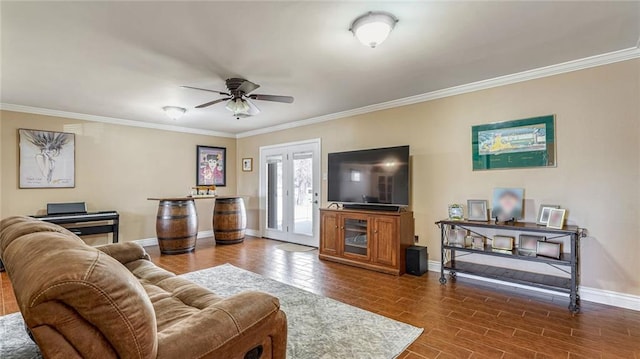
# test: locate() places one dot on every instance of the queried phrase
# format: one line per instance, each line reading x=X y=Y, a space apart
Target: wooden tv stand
x=372 y=240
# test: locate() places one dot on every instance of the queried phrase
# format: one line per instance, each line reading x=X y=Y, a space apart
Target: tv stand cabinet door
x=385 y=239
x=330 y=233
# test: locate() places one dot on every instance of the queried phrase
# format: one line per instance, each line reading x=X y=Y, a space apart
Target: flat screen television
x=374 y=177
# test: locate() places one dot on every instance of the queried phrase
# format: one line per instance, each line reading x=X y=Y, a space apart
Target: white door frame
x=317 y=188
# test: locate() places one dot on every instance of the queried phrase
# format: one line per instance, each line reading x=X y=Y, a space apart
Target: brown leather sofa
x=112 y=301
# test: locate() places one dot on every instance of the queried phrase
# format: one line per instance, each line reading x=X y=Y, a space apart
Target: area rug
x=292 y=247
x=318 y=327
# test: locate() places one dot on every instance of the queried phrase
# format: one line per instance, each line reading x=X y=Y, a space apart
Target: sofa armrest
x=125 y=252
x=238 y=323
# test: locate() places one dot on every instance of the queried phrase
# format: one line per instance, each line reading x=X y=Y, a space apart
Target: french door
x=290 y=192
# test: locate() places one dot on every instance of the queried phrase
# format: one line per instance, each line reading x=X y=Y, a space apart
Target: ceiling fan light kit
x=238 y=97
x=373 y=28
x=174 y=112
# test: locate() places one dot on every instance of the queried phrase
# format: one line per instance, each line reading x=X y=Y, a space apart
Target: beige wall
x=117 y=167
x=598 y=156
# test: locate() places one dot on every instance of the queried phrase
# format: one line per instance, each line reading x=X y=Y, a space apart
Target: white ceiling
x=126 y=60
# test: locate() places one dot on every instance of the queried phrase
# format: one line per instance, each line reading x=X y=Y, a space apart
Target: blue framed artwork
x=528 y=142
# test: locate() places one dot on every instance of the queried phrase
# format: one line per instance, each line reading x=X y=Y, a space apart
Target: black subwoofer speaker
x=417 y=257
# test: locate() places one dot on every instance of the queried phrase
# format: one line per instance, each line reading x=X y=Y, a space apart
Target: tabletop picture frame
x=556 y=218
x=477 y=210
x=543 y=213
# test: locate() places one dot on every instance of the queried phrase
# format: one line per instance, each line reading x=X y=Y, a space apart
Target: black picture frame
x=211 y=166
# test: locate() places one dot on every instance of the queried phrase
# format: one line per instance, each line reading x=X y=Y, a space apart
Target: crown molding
x=569 y=66
x=111 y=120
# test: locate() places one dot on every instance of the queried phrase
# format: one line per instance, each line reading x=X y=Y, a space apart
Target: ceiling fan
x=238 y=97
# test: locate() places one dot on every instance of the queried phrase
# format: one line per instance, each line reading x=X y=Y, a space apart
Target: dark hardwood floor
x=460 y=320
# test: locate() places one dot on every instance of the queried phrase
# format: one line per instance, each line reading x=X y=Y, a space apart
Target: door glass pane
x=355 y=236
x=275 y=197
x=303 y=193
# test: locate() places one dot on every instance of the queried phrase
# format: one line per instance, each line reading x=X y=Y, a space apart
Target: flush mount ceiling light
x=373 y=27
x=174 y=112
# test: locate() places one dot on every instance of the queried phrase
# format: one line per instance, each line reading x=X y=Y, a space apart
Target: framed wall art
x=47 y=159
x=211 y=166
x=247 y=164
x=522 y=143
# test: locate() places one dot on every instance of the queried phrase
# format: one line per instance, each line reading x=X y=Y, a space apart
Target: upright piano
x=75 y=218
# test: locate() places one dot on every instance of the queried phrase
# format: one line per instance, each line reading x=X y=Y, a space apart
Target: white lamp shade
x=373 y=28
x=242 y=108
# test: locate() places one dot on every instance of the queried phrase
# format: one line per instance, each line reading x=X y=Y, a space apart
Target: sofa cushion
x=173 y=298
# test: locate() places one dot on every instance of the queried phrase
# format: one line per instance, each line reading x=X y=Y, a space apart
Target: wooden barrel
x=229 y=220
x=177 y=226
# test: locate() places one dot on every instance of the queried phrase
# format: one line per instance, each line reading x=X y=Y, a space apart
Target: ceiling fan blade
x=201 y=89
x=253 y=109
x=213 y=102
x=274 y=98
x=247 y=86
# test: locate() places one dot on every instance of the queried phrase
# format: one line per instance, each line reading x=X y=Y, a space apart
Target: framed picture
x=508 y=203
x=543 y=213
x=522 y=143
x=477 y=210
x=556 y=218
x=456 y=212
x=47 y=159
x=247 y=164
x=211 y=166
x=477 y=242
x=504 y=243
x=528 y=244
x=549 y=249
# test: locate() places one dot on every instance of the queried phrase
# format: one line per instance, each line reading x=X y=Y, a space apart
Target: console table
x=567 y=263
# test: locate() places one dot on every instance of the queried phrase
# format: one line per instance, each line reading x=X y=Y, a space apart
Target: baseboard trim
x=146 y=242
x=253 y=232
x=616 y=299
x=594 y=295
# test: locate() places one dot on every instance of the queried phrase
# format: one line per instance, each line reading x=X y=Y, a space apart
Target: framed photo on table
x=247 y=164
x=543 y=213
x=211 y=166
x=556 y=218
x=47 y=159
x=477 y=210
x=508 y=203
